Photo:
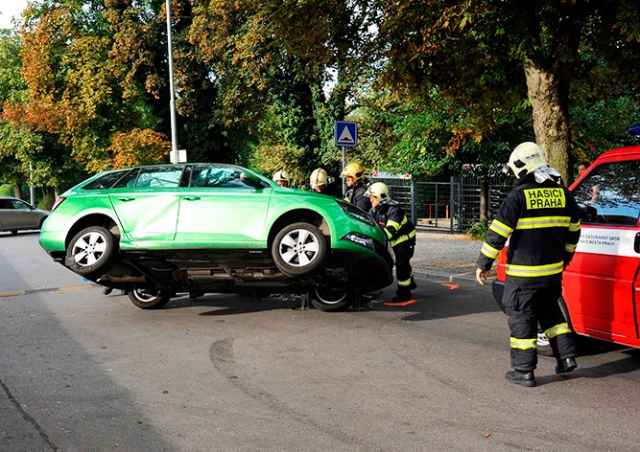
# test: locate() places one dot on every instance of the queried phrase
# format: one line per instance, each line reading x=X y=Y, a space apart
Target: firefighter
x=281 y=177
x=320 y=182
x=541 y=219
x=357 y=184
x=401 y=234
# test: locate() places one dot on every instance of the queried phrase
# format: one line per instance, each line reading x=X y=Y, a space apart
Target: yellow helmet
x=318 y=177
x=380 y=190
x=526 y=158
x=281 y=175
x=354 y=170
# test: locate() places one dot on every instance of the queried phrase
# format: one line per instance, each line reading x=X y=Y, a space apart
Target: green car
x=155 y=231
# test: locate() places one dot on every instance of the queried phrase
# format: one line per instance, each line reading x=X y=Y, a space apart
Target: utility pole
x=175 y=155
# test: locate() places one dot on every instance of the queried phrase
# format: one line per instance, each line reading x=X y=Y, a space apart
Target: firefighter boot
x=566 y=365
x=402 y=294
x=521 y=377
x=413 y=284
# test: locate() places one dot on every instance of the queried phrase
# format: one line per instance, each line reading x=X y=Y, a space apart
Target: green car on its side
x=212 y=228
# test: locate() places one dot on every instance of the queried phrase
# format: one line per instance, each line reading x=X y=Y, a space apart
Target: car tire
x=330 y=299
x=148 y=298
x=92 y=252
x=299 y=249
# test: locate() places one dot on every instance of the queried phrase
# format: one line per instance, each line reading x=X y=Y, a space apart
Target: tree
x=485 y=54
x=274 y=61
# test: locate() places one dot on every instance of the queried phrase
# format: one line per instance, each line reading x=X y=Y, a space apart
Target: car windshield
x=611 y=194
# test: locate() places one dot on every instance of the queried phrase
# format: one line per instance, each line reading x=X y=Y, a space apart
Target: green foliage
x=6 y=190
x=478 y=230
x=46 y=202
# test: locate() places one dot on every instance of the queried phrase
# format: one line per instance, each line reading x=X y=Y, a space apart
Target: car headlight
x=352 y=210
x=360 y=239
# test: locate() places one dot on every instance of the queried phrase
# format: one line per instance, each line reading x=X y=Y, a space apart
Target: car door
x=601 y=283
x=7 y=215
x=17 y=214
x=220 y=210
x=146 y=203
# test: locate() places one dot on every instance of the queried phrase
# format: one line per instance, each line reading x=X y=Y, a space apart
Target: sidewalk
x=442 y=255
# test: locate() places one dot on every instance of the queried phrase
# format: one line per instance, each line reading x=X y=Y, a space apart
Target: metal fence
x=452 y=206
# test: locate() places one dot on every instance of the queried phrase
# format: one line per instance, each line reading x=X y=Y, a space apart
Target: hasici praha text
x=544 y=198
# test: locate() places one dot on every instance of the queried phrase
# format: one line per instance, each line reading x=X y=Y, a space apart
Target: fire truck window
x=611 y=194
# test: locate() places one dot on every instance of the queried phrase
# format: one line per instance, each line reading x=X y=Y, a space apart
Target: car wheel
x=92 y=252
x=330 y=299
x=299 y=249
x=148 y=298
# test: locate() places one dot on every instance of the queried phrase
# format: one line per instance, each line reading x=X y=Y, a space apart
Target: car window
x=211 y=176
x=159 y=177
x=611 y=194
x=152 y=177
x=108 y=180
x=6 y=204
x=20 y=205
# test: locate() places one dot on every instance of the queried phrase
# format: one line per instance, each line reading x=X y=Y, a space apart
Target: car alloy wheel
x=91 y=252
x=149 y=298
x=299 y=249
x=330 y=299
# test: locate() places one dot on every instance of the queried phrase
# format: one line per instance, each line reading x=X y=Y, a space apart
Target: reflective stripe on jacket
x=394 y=222
x=543 y=227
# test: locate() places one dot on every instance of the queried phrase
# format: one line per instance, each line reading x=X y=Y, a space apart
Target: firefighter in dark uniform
x=541 y=218
x=401 y=234
x=357 y=184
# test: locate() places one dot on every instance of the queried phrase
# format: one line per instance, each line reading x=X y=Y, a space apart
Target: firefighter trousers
x=526 y=307
x=404 y=273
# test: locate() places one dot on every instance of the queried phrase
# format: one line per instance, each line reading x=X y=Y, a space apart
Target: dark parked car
x=18 y=215
x=212 y=228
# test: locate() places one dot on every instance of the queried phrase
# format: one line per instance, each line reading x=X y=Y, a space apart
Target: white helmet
x=281 y=175
x=380 y=191
x=318 y=177
x=526 y=158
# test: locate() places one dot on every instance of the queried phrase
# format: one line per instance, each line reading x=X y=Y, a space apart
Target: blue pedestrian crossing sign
x=345 y=133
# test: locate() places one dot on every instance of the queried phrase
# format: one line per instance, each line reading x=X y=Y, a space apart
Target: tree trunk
x=17 y=190
x=484 y=200
x=550 y=114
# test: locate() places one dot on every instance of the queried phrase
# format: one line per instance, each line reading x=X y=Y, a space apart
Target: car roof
x=625 y=153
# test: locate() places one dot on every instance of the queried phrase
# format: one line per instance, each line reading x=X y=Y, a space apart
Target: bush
x=478 y=230
x=6 y=190
x=46 y=203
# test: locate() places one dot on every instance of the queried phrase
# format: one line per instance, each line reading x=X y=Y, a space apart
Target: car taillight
x=57 y=203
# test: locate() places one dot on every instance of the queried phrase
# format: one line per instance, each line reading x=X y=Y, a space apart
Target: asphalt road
x=80 y=371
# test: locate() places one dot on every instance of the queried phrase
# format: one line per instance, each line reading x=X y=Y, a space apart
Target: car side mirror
x=588 y=214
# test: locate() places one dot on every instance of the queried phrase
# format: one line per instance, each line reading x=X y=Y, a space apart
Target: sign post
x=345 y=134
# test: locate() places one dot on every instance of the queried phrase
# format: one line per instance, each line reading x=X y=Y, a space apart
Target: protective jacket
x=544 y=224
x=356 y=195
x=394 y=222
